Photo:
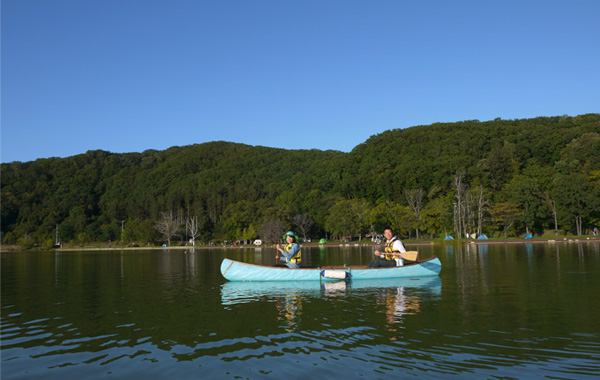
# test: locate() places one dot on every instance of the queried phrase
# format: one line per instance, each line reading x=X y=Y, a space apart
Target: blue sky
x=132 y=75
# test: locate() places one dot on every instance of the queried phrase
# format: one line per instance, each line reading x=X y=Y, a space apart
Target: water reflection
x=483 y=248
x=399 y=297
x=288 y=297
x=243 y=292
x=528 y=248
x=403 y=298
x=398 y=303
x=505 y=312
x=290 y=311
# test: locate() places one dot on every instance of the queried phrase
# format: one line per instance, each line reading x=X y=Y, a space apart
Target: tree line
x=499 y=177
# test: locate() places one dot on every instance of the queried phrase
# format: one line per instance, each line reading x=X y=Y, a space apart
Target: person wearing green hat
x=290 y=253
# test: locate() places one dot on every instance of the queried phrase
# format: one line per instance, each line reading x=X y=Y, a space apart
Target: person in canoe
x=391 y=255
x=290 y=253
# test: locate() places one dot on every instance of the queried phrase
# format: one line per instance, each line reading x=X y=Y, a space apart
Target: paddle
x=277 y=254
x=410 y=255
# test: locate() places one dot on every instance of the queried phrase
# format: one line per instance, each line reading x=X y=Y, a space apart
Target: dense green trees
x=501 y=176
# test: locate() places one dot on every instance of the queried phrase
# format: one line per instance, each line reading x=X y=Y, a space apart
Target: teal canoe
x=238 y=271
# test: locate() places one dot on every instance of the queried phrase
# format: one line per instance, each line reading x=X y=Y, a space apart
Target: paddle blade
x=410 y=255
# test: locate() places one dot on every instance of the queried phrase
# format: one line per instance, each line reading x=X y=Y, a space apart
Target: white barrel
x=335 y=273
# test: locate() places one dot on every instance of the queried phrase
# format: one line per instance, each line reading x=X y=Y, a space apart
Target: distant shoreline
x=13 y=248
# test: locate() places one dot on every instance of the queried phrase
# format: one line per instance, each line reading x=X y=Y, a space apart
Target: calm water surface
x=496 y=311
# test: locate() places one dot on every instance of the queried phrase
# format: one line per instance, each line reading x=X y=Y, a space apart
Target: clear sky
x=132 y=75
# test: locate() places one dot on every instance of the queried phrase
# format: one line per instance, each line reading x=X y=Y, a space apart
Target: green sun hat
x=291 y=233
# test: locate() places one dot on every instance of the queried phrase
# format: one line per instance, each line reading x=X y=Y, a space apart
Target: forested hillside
x=504 y=177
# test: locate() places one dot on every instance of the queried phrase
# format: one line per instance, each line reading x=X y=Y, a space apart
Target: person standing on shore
x=391 y=255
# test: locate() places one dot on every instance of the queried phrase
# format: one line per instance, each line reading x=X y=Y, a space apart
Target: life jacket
x=297 y=258
x=389 y=249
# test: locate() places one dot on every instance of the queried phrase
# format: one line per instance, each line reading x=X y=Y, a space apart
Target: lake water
x=496 y=311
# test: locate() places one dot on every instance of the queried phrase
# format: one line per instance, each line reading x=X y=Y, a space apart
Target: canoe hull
x=237 y=271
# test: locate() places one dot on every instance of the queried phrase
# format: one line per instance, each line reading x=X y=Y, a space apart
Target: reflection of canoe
x=430 y=283
x=237 y=292
x=238 y=271
x=244 y=292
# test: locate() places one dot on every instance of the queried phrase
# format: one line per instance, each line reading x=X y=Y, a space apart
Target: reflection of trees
x=510 y=284
x=98 y=300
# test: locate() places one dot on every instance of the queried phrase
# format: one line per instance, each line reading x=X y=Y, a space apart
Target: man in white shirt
x=391 y=255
